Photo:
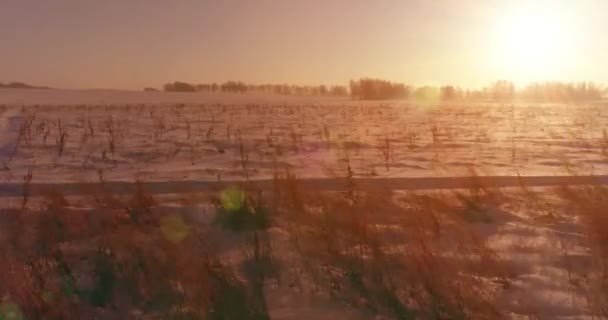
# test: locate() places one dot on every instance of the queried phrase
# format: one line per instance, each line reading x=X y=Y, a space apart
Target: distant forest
x=19 y=85
x=241 y=87
x=378 y=89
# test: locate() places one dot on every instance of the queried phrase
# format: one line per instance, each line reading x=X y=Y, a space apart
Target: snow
x=184 y=142
x=56 y=97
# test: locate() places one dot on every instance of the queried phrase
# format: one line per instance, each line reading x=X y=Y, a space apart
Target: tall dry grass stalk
x=590 y=203
x=412 y=260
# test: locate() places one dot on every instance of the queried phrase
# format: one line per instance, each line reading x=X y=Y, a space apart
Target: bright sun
x=532 y=44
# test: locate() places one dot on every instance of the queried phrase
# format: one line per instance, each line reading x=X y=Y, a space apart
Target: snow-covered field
x=250 y=137
x=64 y=138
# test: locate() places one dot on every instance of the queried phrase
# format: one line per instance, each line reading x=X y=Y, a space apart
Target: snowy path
x=322 y=184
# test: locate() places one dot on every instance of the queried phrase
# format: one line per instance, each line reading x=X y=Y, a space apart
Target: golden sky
x=131 y=44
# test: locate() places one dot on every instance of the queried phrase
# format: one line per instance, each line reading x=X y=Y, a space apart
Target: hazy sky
x=131 y=44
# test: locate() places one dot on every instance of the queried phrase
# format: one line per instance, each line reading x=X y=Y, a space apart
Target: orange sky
x=130 y=44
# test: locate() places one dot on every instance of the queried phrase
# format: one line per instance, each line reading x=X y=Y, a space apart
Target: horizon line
x=601 y=85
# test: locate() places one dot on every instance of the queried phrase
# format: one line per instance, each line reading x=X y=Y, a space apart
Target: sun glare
x=533 y=44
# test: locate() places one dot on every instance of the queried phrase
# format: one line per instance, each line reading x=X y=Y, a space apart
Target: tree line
x=241 y=87
x=378 y=89
x=19 y=85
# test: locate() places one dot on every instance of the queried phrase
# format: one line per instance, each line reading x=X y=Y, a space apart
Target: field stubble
x=290 y=251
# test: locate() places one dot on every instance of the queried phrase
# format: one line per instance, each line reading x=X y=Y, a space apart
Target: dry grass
x=69 y=263
x=590 y=203
x=398 y=259
x=402 y=255
x=382 y=253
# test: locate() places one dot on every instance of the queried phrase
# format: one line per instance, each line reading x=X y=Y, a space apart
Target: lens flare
x=232 y=198
x=10 y=311
x=174 y=228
